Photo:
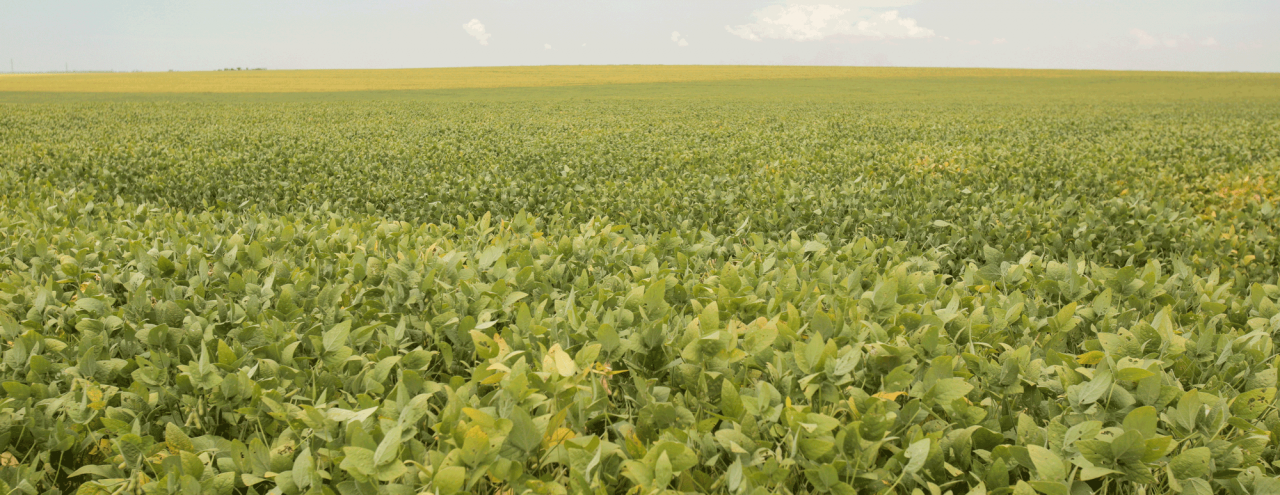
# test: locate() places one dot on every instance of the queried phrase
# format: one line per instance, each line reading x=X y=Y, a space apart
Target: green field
x=703 y=280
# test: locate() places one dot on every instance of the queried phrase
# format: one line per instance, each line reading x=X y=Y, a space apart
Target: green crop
x=563 y=291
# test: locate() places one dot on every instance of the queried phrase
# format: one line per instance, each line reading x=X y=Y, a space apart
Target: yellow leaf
x=476 y=433
x=499 y=367
x=889 y=396
x=558 y=360
x=1090 y=358
x=493 y=379
x=558 y=437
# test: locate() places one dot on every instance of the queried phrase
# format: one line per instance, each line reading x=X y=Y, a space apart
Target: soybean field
x=640 y=280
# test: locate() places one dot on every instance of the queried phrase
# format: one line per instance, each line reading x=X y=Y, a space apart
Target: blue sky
x=1222 y=35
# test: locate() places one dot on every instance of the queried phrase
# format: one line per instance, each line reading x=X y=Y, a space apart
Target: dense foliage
x=716 y=295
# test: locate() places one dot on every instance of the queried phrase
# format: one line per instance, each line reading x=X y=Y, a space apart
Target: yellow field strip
x=305 y=81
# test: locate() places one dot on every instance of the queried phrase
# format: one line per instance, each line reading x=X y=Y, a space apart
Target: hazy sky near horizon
x=151 y=35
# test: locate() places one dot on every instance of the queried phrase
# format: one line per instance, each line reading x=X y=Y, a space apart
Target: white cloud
x=998 y=41
x=679 y=40
x=1145 y=40
x=856 y=4
x=547 y=46
x=476 y=30
x=801 y=20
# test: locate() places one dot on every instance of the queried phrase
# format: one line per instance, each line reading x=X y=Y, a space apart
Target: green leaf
x=1198 y=486
x=681 y=457
x=358 y=461
x=94 y=307
x=1093 y=472
x=654 y=296
x=336 y=337
x=709 y=321
x=1133 y=374
x=1128 y=447
x=1192 y=463
x=821 y=324
x=1094 y=389
x=488 y=256
x=191 y=486
x=1142 y=419
x=1086 y=430
x=1048 y=465
x=734 y=475
x=130 y=446
x=304 y=468
x=1157 y=447
x=170 y=313
x=759 y=338
x=525 y=434
x=949 y=389
x=176 y=439
x=449 y=480
x=99 y=470
x=662 y=471
x=16 y=390
x=1050 y=487
x=389 y=448
x=815 y=448
x=390 y=471
x=1250 y=405
x=1102 y=302
x=226 y=356
x=416 y=359
x=608 y=338
x=9 y=326
x=383 y=369
x=1065 y=319
x=916 y=455
x=417 y=407
x=191 y=464
x=336 y=358
x=886 y=295
x=220 y=484
x=730 y=400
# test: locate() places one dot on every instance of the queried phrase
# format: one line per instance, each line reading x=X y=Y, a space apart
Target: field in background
x=330 y=81
x=704 y=279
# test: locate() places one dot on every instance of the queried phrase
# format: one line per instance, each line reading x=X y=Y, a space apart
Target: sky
x=152 y=35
